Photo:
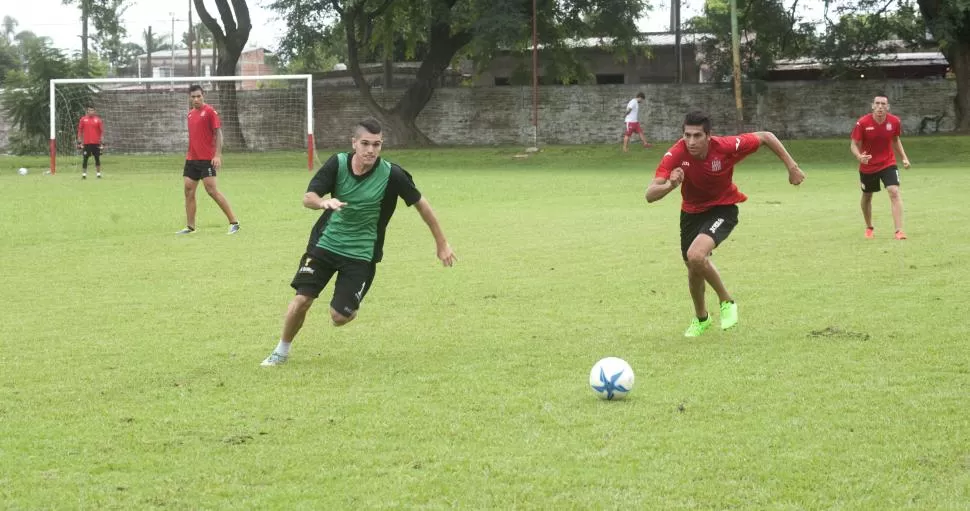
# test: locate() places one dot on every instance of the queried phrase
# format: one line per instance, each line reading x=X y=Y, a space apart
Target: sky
x=61 y=23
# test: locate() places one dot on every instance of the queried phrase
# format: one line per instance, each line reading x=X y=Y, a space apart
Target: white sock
x=283 y=348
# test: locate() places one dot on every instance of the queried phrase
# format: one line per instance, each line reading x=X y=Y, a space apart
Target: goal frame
x=171 y=81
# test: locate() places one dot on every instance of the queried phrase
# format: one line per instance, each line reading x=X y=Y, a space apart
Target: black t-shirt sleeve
x=403 y=185
x=325 y=179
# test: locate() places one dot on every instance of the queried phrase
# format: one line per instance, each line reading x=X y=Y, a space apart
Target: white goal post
x=160 y=105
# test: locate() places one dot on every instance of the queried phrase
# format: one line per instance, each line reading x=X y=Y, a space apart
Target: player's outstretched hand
x=676 y=176
x=447 y=256
x=795 y=175
x=905 y=164
x=864 y=158
x=333 y=204
x=217 y=162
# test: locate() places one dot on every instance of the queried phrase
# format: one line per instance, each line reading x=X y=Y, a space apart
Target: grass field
x=130 y=378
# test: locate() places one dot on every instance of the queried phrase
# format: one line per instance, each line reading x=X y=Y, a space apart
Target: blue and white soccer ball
x=611 y=378
x=22 y=171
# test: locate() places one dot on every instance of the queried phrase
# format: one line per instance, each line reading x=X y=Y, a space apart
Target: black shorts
x=717 y=222
x=354 y=278
x=870 y=182
x=90 y=150
x=198 y=169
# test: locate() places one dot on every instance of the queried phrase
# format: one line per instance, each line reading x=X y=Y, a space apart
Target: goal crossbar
x=182 y=79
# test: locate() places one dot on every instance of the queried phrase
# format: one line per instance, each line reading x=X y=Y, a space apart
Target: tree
x=230 y=40
x=85 y=7
x=9 y=25
x=26 y=102
x=769 y=31
x=949 y=22
x=862 y=31
x=111 y=33
x=446 y=30
x=9 y=56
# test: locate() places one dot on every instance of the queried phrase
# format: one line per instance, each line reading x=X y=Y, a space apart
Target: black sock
x=233 y=223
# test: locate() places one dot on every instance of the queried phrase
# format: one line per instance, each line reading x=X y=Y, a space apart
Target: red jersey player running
x=709 y=211
x=203 y=159
x=873 y=139
x=90 y=131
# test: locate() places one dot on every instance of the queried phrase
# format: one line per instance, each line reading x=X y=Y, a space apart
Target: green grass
x=130 y=378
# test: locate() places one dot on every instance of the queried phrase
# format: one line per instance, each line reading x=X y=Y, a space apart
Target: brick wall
x=567 y=114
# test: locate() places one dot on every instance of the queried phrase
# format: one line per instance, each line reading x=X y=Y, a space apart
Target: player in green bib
x=362 y=190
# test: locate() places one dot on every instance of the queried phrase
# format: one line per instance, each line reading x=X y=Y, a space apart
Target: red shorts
x=631 y=128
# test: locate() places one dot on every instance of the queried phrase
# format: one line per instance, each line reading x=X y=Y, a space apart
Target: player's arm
x=80 y=131
x=217 y=142
x=767 y=138
x=322 y=185
x=898 y=146
x=445 y=253
x=660 y=187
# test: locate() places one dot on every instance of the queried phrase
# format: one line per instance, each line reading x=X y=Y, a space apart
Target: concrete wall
x=274 y=118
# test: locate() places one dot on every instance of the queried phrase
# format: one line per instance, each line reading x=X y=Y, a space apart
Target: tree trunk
x=85 y=16
x=233 y=138
x=959 y=58
x=401 y=118
x=148 y=50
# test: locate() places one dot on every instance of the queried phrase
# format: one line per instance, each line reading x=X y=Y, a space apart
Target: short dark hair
x=196 y=87
x=698 y=118
x=881 y=95
x=641 y=95
x=370 y=124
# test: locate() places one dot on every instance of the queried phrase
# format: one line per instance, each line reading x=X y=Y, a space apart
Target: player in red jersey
x=204 y=157
x=90 y=134
x=873 y=139
x=704 y=164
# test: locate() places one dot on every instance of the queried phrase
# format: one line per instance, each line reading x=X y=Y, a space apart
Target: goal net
x=267 y=121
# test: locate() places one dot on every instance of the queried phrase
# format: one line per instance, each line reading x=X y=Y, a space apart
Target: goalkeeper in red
x=704 y=164
x=358 y=193
x=90 y=133
x=203 y=159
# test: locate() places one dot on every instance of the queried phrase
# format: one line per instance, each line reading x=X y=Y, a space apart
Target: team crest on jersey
x=889 y=126
x=685 y=164
x=716 y=166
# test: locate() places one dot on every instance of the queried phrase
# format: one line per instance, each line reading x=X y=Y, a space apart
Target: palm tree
x=9 y=25
x=153 y=44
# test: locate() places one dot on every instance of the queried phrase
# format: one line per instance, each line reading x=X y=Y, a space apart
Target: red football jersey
x=708 y=183
x=202 y=129
x=876 y=139
x=90 y=129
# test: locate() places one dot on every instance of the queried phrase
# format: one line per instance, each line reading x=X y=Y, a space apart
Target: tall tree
x=448 y=29
x=27 y=100
x=109 y=39
x=85 y=8
x=862 y=31
x=154 y=43
x=230 y=41
x=770 y=30
x=949 y=22
x=9 y=27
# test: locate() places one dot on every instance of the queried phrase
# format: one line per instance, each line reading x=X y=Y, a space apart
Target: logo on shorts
x=305 y=269
x=360 y=293
x=716 y=166
x=717 y=223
